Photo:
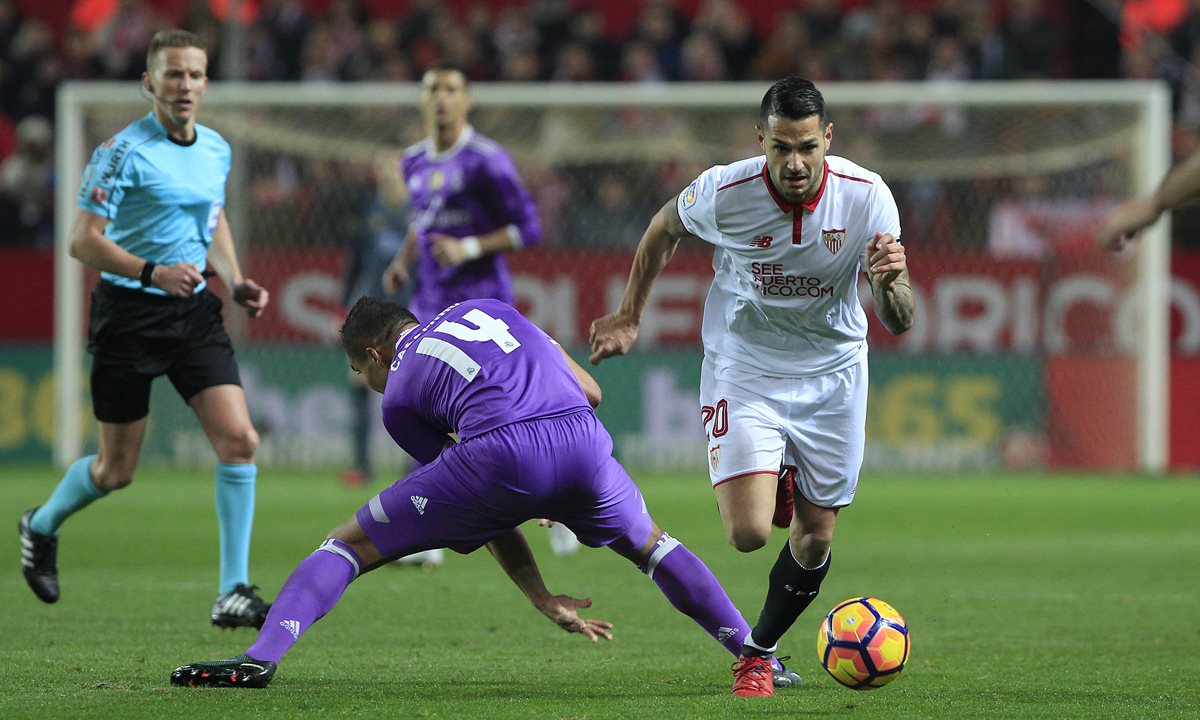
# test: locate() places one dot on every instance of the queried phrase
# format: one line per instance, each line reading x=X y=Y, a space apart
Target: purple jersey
x=469 y=189
x=475 y=367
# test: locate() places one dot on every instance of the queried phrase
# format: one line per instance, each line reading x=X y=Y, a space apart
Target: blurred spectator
x=948 y=15
x=587 y=29
x=877 y=17
x=703 y=59
x=381 y=43
x=661 y=29
x=729 y=24
x=514 y=35
x=321 y=58
x=915 y=46
x=572 y=41
x=120 y=41
x=525 y=66
x=1029 y=41
x=824 y=19
x=574 y=63
x=1186 y=34
x=983 y=43
x=32 y=43
x=37 y=95
x=27 y=185
x=608 y=216
x=639 y=64
x=948 y=61
x=277 y=40
x=779 y=56
x=79 y=58
x=551 y=20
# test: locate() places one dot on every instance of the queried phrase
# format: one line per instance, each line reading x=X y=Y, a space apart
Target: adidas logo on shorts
x=419 y=503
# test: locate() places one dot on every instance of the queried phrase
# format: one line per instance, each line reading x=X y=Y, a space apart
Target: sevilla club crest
x=833 y=239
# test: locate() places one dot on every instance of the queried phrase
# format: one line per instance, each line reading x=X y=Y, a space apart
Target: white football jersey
x=784 y=298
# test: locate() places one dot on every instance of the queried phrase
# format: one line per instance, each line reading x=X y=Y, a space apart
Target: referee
x=152 y=213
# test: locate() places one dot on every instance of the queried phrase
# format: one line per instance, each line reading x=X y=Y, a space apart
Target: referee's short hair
x=172 y=39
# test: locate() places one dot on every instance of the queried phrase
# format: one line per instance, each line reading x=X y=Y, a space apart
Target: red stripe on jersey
x=736 y=183
x=855 y=179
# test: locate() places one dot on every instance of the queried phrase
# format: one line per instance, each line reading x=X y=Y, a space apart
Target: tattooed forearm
x=894 y=303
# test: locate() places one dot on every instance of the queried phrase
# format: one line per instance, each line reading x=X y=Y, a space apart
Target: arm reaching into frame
x=1180 y=187
x=615 y=333
x=513 y=553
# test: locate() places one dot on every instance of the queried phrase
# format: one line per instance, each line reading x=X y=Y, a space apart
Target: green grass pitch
x=1027 y=596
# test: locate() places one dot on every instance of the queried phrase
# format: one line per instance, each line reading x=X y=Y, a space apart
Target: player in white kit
x=783 y=390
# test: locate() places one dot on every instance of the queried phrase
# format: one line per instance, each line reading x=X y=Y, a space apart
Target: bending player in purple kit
x=530 y=446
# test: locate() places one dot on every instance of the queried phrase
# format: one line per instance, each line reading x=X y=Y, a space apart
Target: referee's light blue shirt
x=162 y=199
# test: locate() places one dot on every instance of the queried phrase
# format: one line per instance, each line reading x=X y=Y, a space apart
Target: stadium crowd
x=576 y=41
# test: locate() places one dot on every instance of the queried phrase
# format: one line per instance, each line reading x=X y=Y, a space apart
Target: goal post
x=996 y=183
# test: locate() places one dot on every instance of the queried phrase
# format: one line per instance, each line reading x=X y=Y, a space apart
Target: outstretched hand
x=611 y=335
x=1124 y=223
x=563 y=611
x=396 y=276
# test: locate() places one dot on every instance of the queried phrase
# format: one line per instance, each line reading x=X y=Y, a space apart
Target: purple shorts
x=558 y=468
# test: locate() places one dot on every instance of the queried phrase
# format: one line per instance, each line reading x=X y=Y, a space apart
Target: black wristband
x=148 y=273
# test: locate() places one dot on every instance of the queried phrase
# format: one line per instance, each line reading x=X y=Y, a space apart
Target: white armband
x=471 y=247
x=514 y=234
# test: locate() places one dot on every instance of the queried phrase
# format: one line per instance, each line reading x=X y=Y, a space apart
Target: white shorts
x=815 y=426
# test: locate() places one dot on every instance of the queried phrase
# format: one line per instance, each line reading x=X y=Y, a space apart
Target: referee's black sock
x=791 y=589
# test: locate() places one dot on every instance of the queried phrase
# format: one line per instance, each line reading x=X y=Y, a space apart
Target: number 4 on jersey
x=487 y=329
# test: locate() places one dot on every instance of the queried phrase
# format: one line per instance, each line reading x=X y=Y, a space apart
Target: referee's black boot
x=241 y=607
x=39 y=560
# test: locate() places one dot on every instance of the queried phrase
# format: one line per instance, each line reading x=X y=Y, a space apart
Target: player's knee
x=748 y=538
x=812 y=549
x=238 y=446
x=113 y=474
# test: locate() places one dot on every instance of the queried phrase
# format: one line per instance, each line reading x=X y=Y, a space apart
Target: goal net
x=1031 y=348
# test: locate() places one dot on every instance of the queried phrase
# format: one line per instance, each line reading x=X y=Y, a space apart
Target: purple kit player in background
x=469 y=208
x=469 y=205
x=530 y=446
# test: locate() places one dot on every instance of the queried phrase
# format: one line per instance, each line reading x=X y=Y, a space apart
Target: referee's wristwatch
x=147 y=275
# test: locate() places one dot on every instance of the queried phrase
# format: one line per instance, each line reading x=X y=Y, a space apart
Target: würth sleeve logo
x=833 y=239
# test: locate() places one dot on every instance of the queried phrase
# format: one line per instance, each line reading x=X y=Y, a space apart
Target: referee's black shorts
x=135 y=337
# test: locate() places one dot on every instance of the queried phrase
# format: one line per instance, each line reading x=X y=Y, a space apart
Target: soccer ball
x=863 y=643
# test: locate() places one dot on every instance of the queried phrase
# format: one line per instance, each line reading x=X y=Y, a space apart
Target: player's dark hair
x=446 y=66
x=373 y=322
x=792 y=98
x=172 y=39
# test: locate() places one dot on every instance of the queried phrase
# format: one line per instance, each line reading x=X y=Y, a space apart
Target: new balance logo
x=292 y=626
x=762 y=241
x=419 y=503
x=800 y=593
